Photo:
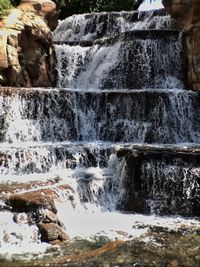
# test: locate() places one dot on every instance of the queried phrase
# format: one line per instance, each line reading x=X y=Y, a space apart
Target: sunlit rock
x=26 y=57
x=33 y=200
x=51 y=232
x=3 y=52
x=186 y=15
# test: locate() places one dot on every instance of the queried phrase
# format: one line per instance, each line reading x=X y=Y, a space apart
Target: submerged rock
x=51 y=233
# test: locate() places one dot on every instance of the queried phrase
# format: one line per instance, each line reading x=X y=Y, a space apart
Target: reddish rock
x=33 y=201
x=51 y=232
x=26 y=50
x=186 y=15
x=46 y=8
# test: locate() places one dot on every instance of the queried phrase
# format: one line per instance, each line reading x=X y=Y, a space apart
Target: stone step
x=150 y=34
x=165 y=182
x=137 y=116
x=156 y=179
x=105 y=24
x=39 y=159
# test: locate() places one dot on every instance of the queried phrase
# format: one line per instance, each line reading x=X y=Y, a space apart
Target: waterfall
x=133 y=60
x=138 y=116
x=119 y=134
x=89 y=27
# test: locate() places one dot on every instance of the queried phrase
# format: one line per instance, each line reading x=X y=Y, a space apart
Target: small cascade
x=138 y=116
x=162 y=182
x=89 y=27
x=133 y=60
x=125 y=51
x=119 y=134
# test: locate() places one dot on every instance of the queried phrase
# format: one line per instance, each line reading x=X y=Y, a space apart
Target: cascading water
x=90 y=27
x=119 y=133
x=132 y=60
x=138 y=116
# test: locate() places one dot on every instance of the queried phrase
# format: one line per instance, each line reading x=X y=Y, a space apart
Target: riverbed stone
x=51 y=232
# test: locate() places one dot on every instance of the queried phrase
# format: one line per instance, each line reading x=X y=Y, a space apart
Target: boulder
x=27 y=57
x=33 y=201
x=38 y=208
x=47 y=216
x=52 y=233
x=45 y=8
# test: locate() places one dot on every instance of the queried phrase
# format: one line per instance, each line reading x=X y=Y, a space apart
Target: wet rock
x=123 y=152
x=47 y=216
x=4 y=207
x=38 y=208
x=21 y=218
x=51 y=232
x=186 y=15
x=33 y=201
x=153 y=185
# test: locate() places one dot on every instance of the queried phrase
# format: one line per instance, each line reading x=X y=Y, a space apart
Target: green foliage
x=15 y=2
x=69 y=7
x=113 y=5
x=5 y=6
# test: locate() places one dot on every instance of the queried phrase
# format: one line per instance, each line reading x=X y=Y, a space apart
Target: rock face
x=186 y=15
x=161 y=182
x=26 y=51
x=38 y=207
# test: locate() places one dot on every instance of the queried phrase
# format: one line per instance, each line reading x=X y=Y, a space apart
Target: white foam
x=150 y=5
x=91 y=221
x=17 y=238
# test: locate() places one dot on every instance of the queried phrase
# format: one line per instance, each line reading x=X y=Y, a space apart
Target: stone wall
x=26 y=50
x=186 y=15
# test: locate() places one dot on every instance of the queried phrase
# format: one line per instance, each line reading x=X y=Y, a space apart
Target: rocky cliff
x=186 y=15
x=26 y=50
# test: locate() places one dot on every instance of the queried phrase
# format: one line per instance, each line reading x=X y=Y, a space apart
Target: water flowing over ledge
x=145 y=116
x=132 y=60
x=118 y=137
x=89 y=27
